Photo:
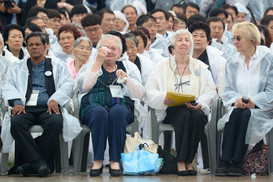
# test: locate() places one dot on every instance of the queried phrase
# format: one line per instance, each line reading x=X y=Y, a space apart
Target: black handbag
x=169 y=162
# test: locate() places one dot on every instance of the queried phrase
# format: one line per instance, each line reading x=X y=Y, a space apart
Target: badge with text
x=33 y=98
x=116 y=91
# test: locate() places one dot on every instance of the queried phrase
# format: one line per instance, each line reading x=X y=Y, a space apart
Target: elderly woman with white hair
x=248 y=96
x=182 y=73
x=82 y=49
x=109 y=88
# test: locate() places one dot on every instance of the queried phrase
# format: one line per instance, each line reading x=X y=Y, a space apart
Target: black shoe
x=222 y=169
x=96 y=172
x=235 y=169
x=192 y=172
x=43 y=170
x=114 y=172
x=183 y=173
x=26 y=169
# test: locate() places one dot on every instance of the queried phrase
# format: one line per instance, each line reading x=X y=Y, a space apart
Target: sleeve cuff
x=17 y=102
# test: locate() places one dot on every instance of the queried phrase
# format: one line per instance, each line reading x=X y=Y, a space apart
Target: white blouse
x=248 y=78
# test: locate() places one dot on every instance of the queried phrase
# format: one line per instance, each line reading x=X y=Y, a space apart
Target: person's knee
x=96 y=113
x=118 y=111
x=56 y=120
x=197 y=115
x=16 y=121
x=245 y=116
x=236 y=112
x=246 y=113
x=118 y=114
x=99 y=110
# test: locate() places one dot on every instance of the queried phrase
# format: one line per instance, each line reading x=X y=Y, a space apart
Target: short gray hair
x=108 y=36
x=181 y=32
x=78 y=41
x=131 y=36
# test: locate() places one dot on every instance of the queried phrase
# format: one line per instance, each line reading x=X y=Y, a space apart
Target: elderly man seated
x=36 y=89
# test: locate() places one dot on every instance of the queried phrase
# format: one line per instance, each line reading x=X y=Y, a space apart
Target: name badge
x=33 y=98
x=116 y=91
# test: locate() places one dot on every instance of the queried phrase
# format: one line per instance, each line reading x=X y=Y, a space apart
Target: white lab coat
x=261 y=120
x=16 y=88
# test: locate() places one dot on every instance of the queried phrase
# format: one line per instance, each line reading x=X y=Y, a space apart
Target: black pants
x=189 y=127
x=39 y=152
x=234 y=147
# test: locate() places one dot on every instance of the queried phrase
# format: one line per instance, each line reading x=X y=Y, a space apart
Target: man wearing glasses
x=92 y=27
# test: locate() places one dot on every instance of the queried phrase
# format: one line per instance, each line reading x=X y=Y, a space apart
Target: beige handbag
x=131 y=144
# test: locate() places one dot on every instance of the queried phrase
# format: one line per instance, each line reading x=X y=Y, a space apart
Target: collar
x=40 y=64
x=253 y=58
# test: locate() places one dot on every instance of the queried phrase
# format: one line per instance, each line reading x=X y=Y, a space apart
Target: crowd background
x=145 y=29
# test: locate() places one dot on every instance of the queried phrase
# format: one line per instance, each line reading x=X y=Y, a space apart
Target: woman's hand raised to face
x=100 y=58
x=101 y=55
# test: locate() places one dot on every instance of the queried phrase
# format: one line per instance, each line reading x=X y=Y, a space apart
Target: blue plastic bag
x=140 y=162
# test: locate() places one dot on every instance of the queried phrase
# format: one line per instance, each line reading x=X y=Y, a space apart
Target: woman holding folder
x=182 y=74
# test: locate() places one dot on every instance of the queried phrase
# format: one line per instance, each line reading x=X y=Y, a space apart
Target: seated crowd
x=121 y=59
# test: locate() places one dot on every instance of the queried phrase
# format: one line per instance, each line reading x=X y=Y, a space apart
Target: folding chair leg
x=85 y=152
x=205 y=152
x=4 y=164
x=64 y=155
x=77 y=153
x=155 y=127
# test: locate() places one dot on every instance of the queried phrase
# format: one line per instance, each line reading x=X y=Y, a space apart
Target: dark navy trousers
x=108 y=123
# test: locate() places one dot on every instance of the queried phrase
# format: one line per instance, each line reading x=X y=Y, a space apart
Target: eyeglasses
x=238 y=38
x=44 y=18
x=90 y=30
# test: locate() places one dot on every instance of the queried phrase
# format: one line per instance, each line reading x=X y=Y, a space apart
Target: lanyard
x=180 y=82
x=108 y=78
x=110 y=84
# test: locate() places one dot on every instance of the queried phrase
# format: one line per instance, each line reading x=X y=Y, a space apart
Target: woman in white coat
x=207 y=54
x=249 y=74
x=183 y=74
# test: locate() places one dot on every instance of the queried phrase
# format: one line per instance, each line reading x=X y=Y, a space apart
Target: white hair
x=181 y=32
x=107 y=37
x=78 y=41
